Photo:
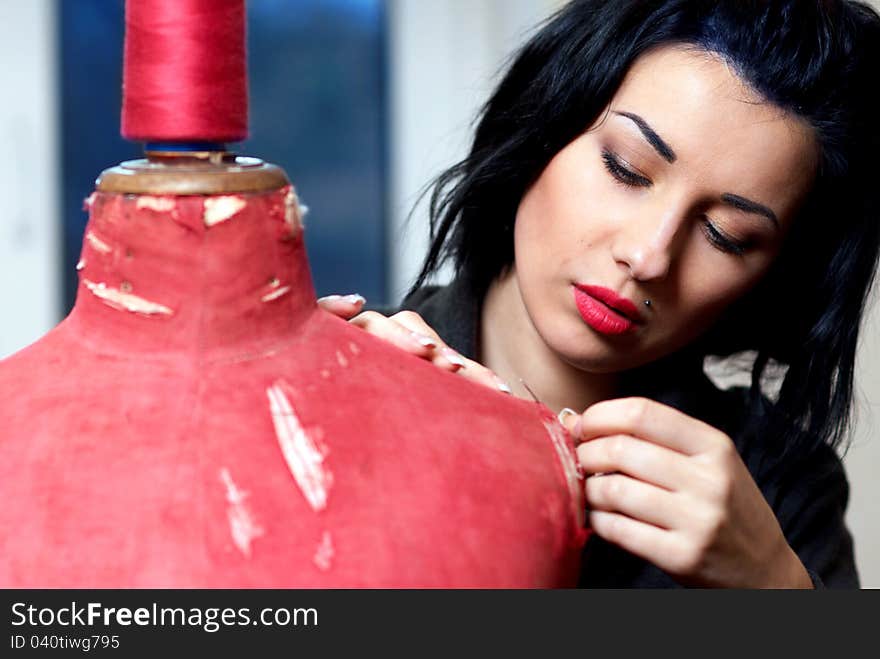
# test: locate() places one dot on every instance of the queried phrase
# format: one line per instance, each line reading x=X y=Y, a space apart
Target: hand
x=409 y=332
x=673 y=490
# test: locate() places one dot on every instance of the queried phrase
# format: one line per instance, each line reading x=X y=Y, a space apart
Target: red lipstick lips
x=604 y=310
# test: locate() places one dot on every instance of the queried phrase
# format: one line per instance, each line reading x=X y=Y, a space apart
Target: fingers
x=651 y=421
x=441 y=354
x=446 y=357
x=344 y=306
x=646 y=541
x=414 y=322
x=408 y=331
x=396 y=334
x=571 y=420
x=636 y=499
x=636 y=458
x=481 y=375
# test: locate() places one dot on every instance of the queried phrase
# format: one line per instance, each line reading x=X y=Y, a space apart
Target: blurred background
x=362 y=102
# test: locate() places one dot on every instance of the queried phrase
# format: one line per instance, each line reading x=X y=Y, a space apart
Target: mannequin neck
x=223 y=276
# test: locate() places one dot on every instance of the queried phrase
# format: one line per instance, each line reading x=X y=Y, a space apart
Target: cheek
x=707 y=291
x=558 y=220
x=535 y=247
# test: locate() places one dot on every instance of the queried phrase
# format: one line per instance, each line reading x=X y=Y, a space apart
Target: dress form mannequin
x=197 y=422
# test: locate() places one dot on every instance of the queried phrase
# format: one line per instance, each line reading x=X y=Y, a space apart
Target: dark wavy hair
x=818 y=59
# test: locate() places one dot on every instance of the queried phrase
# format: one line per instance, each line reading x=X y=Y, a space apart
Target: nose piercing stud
x=647 y=303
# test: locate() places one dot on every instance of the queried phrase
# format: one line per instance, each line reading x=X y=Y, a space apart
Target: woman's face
x=680 y=194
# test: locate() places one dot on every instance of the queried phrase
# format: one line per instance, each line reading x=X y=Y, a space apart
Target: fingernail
x=502 y=385
x=453 y=357
x=355 y=299
x=564 y=414
x=423 y=340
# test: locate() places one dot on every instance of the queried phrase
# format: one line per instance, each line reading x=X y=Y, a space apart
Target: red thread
x=185 y=76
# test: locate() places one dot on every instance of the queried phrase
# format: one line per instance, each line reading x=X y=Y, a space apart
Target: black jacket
x=809 y=502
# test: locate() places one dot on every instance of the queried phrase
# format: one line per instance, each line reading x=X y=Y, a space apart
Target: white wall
x=863 y=460
x=29 y=244
x=444 y=55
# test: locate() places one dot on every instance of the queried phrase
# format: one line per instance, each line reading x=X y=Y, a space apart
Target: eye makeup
x=630 y=179
x=622 y=173
x=722 y=241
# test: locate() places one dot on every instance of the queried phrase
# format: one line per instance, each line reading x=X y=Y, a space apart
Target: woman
x=652 y=182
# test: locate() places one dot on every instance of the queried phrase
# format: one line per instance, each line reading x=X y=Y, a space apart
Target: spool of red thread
x=185 y=77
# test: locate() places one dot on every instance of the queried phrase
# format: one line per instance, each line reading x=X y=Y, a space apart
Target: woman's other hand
x=674 y=491
x=409 y=332
x=344 y=306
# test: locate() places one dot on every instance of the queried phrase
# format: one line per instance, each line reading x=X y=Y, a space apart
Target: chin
x=602 y=362
x=597 y=355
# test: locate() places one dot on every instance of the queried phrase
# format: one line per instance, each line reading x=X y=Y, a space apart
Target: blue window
x=317 y=109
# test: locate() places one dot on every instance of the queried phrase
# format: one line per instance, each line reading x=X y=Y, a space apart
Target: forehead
x=723 y=133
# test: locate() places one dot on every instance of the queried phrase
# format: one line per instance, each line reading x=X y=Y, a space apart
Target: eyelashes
x=722 y=242
x=627 y=177
x=623 y=174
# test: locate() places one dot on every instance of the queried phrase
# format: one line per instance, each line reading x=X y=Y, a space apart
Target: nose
x=647 y=247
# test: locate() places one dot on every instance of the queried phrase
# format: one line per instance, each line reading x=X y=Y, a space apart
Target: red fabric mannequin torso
x=197 y=422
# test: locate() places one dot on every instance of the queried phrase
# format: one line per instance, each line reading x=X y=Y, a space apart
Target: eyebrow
x=653 y=138
x=750 y=206
x=666 y=152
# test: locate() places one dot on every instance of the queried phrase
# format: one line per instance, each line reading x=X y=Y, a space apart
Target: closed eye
x=625 y=176
x=622 y=173
x=722 y=241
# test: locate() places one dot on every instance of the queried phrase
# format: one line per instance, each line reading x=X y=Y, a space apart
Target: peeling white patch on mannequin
x=574 y=475
x=89 y=201
x=324 y=553
x=220 y=209
x=126 y=301
x=98 y=244
x=274 y=295
x=294 y=212
x=276 y=291
x=158 y=204
x=80 y=265
x=325 y=373
x=242 y=526
x=355 y=350
x=342 y=359
x=302 y=451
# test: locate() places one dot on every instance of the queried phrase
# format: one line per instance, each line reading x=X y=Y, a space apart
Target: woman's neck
x=512 y=347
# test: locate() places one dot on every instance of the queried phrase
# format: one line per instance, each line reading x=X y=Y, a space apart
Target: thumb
x=571 y=421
